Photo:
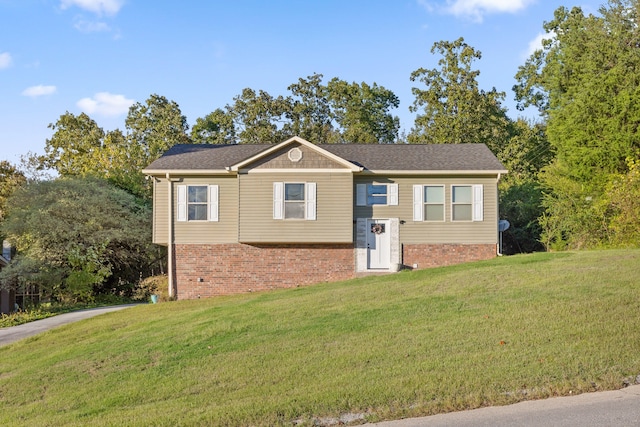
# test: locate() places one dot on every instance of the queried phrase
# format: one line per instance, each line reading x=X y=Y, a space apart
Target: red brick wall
x=236 y=268
x=445 y=254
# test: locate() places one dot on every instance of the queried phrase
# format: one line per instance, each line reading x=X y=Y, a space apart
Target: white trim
x=162 y=172
x=418 y=202
x=361 y=251
x=182 y=203
x=310 y=201
x=362 y=194
x=477 y=202
x=213 y=203
x=300 y=141
x=444 y=202
x=392 y=194
x=477 y=210
x=431 y=172
x=292 y=170
x=278 y=200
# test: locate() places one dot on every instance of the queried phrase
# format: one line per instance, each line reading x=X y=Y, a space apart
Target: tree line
x=573 y=177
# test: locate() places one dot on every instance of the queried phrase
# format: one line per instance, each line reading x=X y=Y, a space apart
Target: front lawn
x=375 y=348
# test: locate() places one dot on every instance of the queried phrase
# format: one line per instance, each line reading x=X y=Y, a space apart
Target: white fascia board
x=293 y=171
x=433 y=172
x=163 y=172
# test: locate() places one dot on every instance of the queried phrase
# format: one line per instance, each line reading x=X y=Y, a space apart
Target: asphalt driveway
x=15 y=333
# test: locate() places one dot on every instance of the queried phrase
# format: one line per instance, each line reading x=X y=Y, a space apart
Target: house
x=242 y=218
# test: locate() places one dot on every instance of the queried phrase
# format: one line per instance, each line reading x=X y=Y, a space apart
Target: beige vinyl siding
x=416 y=232
x=334 y=209
x=225 y=230
x=160 y=212
x=311 y=159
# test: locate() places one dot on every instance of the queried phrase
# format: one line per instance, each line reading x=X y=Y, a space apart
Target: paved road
x=15 y=333
x=620 y=408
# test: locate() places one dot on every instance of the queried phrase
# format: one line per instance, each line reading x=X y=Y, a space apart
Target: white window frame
x=443 y=204
x=477 y=202
x=212 y=203
x=362 y=193
x=310 y=204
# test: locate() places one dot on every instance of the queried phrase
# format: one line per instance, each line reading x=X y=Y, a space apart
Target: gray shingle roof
x=375 y=157
x=416 y=157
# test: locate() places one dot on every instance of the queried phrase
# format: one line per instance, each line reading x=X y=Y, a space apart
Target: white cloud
x=105 y=104
x=5 y=60
x=40 y=90
x=536 y=43
x=91 y=27
x=476 y=9
x=99 y=7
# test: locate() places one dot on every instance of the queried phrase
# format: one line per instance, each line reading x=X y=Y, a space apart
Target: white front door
x=378 y=244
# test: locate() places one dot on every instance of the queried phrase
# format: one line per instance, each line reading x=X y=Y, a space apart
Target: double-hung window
x=434 y=203
x=466 y=203
x=197 y=202
x=294 y=200
x=376 y=194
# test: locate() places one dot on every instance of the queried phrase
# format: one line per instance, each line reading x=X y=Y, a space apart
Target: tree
x=258 y=117
x=452 y=108
x=362 y=111
x=10 y=179
x=156 y=126
x=312 y=115
x=335 y=113
x=215 y=128
x=585 y=83
x=526 y=154
x=80 y=148
x=72 y=150
x=77 y=237
x=624 y=191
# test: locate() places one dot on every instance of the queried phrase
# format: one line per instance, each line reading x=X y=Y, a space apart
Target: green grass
x=382 y=347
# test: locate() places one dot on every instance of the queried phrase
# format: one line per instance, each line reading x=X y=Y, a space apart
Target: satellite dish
x=503 y=225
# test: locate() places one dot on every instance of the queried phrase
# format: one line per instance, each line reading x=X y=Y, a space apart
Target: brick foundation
x=425 y=255
x=227 y=269
x=236 y=268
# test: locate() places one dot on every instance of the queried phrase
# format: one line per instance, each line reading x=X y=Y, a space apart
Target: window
x=461 y=203
x=197 y=202
x=376 y=194
x=294 y=200
x=429 y=202
x=466 y=203
x=433 y=203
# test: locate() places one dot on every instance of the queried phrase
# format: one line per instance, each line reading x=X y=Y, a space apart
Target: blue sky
x=100 y=56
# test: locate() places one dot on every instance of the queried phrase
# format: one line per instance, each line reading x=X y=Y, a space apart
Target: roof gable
x=294 y=142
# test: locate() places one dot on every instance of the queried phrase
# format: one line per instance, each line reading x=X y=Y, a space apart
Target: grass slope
x=382 y=347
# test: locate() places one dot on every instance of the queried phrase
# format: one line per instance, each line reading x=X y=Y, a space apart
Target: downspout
x=170 y=267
